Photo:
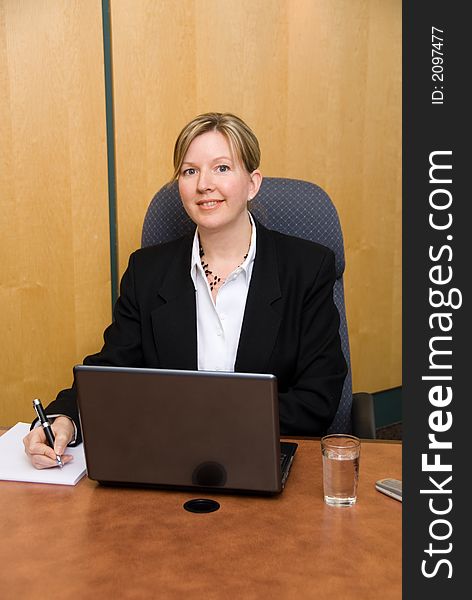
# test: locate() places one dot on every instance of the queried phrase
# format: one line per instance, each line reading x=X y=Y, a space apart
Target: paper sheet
x=16 y=466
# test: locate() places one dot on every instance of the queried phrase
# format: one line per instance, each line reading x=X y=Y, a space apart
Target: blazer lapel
x=263 y=311
x=174 y=319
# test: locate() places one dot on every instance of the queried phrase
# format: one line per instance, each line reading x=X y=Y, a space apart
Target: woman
x=233 y=296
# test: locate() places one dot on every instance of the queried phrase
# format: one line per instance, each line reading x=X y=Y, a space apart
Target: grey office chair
x=296 y=208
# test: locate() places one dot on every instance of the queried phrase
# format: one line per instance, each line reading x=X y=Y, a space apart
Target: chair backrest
x=290 y=206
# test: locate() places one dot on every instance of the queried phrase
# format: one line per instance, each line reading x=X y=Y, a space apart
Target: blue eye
x=222 y=168
x=189 y=171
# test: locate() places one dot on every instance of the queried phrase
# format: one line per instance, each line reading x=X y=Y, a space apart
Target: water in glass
x=340 y=476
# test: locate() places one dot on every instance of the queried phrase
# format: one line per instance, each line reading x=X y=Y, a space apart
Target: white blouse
x=219 y=323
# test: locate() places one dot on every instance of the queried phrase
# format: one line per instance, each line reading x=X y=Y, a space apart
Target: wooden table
x=91 y=541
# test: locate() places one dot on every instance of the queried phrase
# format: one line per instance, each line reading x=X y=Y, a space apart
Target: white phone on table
x=390 y=487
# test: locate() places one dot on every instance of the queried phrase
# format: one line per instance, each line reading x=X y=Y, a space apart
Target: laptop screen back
x=181 y=429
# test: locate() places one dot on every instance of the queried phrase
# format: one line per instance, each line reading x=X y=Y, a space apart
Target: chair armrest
x=363 y=416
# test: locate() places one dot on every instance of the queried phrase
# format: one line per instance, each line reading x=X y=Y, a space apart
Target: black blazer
x=290 y=325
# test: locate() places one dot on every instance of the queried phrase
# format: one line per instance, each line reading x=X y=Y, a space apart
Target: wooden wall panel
x=54 y=242
x=320 y=83
x=350 y=117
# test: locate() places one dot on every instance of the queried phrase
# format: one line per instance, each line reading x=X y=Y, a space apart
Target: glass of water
x=341 y=454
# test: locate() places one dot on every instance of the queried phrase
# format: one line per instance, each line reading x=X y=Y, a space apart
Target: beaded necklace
x=213 y=278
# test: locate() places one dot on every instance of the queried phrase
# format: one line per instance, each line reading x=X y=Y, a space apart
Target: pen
x=38 y=407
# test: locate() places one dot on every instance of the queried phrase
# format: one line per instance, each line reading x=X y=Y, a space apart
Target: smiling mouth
x=209 y=203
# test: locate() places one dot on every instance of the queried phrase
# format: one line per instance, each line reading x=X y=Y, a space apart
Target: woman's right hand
x=40 y=454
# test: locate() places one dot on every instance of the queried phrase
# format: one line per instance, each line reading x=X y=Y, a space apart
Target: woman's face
x=214 y=185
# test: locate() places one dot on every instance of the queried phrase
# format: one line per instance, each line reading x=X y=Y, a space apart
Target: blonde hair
x=241 y=138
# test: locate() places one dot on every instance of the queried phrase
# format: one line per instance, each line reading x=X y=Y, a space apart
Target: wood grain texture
x=54 y=243
x=320 y=84
x=285 y=547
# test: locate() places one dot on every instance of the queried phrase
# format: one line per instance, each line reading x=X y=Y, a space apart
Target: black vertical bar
x=110 y=122
x=436 y=276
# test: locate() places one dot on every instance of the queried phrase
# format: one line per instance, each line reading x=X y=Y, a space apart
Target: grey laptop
x=182 y=429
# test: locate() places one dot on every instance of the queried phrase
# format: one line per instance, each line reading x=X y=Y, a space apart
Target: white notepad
x=16 y=466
